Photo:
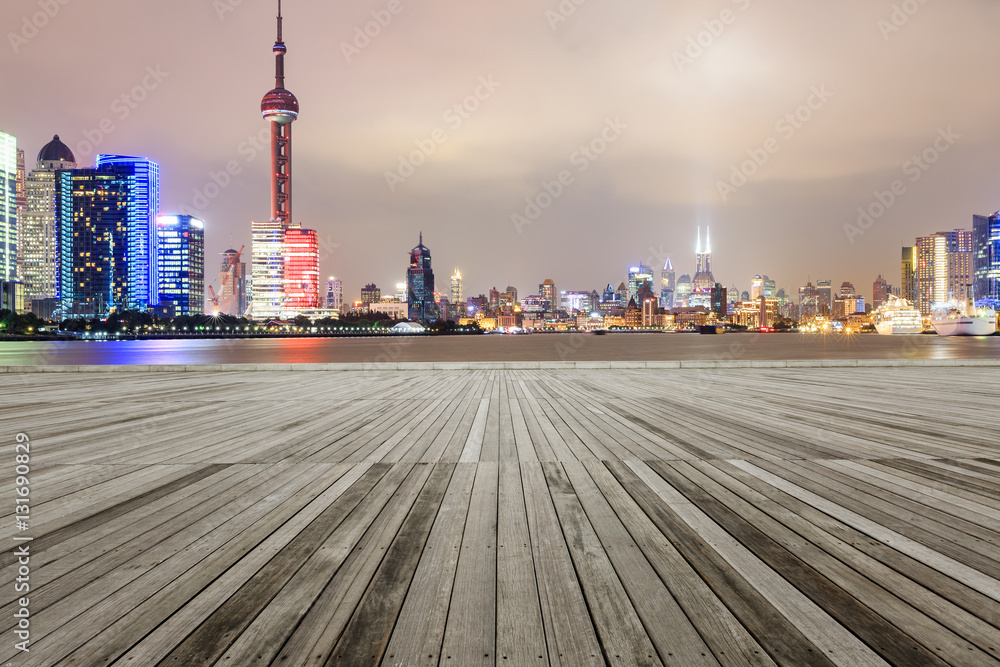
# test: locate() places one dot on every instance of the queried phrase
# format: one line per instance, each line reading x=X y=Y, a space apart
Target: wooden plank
x=894 y=646
x=783 y=640
x=569 y=632
x=367 y=634
x=622 y=635
x=214 y=636
x=317 y=633
x=959 y=571
x=470 y=635
x=721 y=631
x=419 y=630
x=670 y=630
x=520 y=638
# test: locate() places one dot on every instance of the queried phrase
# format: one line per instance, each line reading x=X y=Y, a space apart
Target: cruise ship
x=963 y=319
x=897 y=316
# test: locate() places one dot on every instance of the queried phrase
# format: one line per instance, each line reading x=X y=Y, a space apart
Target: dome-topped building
x=57 y=151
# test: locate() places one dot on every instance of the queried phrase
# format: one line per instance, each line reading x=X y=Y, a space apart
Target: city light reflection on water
x=537 y=347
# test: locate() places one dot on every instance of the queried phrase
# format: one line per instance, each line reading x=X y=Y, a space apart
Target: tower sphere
x=279 y=106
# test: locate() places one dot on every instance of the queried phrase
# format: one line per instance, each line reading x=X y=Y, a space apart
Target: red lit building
x=301 y=269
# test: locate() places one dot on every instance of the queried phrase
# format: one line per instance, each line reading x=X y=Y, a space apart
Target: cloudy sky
x=533 y=139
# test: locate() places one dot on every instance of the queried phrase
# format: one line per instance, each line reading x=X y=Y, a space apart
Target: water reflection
x=538 y=347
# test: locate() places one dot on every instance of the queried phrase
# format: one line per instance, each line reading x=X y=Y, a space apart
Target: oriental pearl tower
x=280 y=108
x=285 y=255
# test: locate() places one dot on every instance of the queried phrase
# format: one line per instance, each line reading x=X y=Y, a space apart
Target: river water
x=536 y=347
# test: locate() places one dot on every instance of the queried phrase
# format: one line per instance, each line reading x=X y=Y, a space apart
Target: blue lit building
x=143 y=208
x=420 y=284
x=92 y=222
x=8 y=207
x=180 y=251
x=986 y=256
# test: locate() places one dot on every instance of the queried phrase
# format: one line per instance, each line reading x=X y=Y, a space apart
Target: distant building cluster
x=956 y=265
x=85 y=242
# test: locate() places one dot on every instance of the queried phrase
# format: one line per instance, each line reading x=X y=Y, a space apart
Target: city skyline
x=683 y=127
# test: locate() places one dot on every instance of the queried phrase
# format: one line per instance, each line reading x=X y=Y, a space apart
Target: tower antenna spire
x=279 y=55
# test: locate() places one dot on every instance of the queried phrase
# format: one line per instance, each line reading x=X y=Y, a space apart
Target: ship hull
x=966 y=326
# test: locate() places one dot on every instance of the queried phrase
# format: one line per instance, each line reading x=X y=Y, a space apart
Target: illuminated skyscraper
x=824 y=288
x=456 y=288
x=143 y=208
x=639 y=276
x=233 y=284
x=334 y=294
x=682 y=297
x=703 y=281
x=301 y=270
x=880 y=291
x=420 y=284
x=961 y=258
x=808 y=301
x=21 y=199
x=8 y=207
x=668 y=285
x=92 y=219
x=932 y=272
x=267 y=266
x=547 y=290
x=986 y=261
x=39 y=251
x=180 y=250
x=909 y=275
x=370 y=294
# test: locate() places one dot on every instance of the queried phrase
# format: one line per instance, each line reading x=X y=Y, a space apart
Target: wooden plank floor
x=538 y=517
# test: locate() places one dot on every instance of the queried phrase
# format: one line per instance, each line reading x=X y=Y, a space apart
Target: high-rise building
x=180 y=251
x=908 y=274
x=457 y=295
x=682 y=296
x=370 y=294
x=986 y=262
x=334 y=294
x=38 y=233
x=808 y=301
x=961 y=260
x=703 y=281
x=301 y=274
x=638 y=276
x=934 y=274
x=233 y=284
x=824 y=288
x=668 y=285
x=92 y=219
x=143 y=209
x=547 y=290
x=267 y=267
x=880 y=291
x=757 y=287
x=581 y=302
x=21 y=198
x=8 y=208
x=720 y=302
x=420 y=284
x=511 y=295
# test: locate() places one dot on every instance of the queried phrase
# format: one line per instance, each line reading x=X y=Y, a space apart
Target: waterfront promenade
x=490 y=516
